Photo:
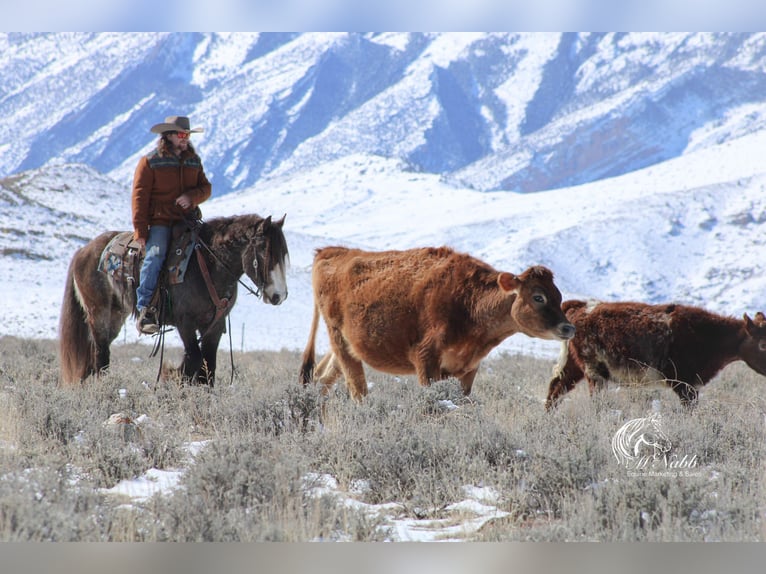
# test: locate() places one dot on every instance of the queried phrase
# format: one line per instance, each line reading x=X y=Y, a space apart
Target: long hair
x=164 y=147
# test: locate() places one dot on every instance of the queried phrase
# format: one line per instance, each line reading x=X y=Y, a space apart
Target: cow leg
x=427 y=366
x=327 y=372
x=597 y=376
x=466 y=381
x=564 y=380
x=352 y=368
x=687 y=393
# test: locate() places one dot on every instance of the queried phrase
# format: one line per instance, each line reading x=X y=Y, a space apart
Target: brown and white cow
x=680 y=346
x=429 y=311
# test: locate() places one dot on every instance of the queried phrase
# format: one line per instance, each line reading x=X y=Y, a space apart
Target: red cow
x=635 y=343
x=430 y=311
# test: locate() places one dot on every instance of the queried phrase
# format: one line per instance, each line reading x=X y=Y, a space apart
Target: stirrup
x=147 y=323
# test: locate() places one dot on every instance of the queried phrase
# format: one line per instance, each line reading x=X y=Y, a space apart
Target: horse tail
x=309 y=356
x=75 y=338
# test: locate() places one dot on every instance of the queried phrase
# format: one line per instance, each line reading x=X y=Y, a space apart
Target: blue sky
x=392 y=15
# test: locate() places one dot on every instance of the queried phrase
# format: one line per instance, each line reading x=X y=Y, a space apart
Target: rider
x=169 y=182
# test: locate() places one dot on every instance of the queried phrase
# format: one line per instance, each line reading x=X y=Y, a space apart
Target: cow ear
x=508 y=281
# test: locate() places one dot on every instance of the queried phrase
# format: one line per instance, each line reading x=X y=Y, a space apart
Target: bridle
x=221 y=303
x=260 y=283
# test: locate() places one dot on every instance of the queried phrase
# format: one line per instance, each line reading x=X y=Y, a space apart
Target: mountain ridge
x=491 y=111
x=688 y=228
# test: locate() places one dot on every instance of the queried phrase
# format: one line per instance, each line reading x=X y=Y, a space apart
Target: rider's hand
x=184 y=202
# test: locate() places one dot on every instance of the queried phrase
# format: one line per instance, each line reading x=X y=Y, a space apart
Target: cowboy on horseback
x=168 y=184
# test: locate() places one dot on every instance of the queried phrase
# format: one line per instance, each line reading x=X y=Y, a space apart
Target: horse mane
x=221 y=232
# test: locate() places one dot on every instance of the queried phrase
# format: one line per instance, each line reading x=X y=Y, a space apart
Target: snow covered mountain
x=644 y=153
x=523 y=112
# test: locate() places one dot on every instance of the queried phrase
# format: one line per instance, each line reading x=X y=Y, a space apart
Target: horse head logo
x=637 y=437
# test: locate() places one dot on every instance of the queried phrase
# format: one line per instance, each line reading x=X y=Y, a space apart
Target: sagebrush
x=554 y=473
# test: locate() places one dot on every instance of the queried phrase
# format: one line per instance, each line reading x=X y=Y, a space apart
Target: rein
x=221 y=304
x=200 y=243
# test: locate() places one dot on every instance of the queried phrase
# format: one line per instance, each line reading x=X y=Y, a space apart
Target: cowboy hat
x=175 y=124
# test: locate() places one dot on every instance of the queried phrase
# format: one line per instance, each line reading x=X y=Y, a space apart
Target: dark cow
x=429 y=311
x=680 y=346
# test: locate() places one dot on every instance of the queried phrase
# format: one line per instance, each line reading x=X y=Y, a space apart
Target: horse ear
x=281 y=222
x=263 y=226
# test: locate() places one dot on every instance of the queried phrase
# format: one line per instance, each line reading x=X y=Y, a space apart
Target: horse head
x=264 y=260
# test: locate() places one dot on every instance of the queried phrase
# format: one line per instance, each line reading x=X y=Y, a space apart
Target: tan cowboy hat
x=175 y=124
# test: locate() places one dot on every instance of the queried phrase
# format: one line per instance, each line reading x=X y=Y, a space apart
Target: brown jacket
x=160 y=180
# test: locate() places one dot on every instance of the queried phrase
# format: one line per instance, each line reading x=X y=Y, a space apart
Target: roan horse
x=96 y=305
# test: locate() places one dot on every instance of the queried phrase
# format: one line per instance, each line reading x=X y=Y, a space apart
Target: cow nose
x=567 y=330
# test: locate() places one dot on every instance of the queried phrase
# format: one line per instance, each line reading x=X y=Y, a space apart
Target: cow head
x=537 y=307
x=753 y=348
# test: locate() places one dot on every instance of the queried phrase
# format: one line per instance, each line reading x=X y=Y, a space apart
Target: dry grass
x=554 y=472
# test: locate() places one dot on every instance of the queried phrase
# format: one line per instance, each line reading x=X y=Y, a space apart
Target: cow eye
x=538 y=298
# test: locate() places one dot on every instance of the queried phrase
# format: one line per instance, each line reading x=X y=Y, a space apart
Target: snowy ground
x=689 y=230
x=456 y=522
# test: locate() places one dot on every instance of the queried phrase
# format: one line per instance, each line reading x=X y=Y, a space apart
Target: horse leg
x=105 y=329
x=104 y=319
x=191 y=366
x=209 y=348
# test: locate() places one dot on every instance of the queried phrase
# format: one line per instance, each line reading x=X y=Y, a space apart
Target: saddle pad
x=122 y=258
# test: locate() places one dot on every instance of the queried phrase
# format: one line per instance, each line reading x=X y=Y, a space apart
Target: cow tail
x=309 y=357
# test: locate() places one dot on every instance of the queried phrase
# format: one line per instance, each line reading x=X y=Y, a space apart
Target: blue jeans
x=156 y=250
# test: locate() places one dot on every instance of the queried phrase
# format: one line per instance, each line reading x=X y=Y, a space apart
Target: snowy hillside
x=645 y=153
x=523 y=112
x=690 y=230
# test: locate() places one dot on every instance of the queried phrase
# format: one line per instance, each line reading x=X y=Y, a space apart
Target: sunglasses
x=182 y=135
